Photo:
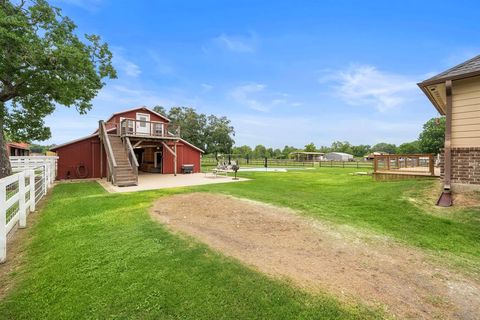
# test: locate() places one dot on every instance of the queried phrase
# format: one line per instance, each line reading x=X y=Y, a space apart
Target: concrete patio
x=153 y=181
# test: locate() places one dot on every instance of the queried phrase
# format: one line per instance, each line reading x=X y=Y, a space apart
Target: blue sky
x=284 y=72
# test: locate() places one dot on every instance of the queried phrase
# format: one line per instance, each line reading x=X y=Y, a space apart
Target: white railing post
x=32 y=190
x=22 y=212
x=45 y=179
x=3 y=222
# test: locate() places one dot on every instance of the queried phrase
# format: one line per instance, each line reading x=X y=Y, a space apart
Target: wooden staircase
x=124 y=173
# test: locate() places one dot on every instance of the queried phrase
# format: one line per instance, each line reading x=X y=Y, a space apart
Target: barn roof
x=307 y=152
x=138 y=108
x=341 y=154
x=465 y=69
x=111 y=129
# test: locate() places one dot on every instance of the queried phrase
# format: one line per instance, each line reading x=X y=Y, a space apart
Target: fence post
x=266 y=162
x=3 y=223
x=45 y=186
x=431 y=164
x=22 y=212
x=32 y=190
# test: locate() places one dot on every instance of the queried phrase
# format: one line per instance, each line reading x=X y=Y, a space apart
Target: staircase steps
x=124 y=176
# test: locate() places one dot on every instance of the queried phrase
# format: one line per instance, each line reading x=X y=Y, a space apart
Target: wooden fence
x=21 y=191
x=288 y=163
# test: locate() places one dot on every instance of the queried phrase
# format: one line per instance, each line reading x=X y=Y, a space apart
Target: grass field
x=99 y=255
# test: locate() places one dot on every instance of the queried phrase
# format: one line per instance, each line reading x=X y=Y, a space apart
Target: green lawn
x=98 y=255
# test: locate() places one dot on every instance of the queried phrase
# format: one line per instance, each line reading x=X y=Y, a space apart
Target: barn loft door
x=142 y=125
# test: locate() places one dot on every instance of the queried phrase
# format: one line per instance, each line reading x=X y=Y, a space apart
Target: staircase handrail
x=131 y=157
x=112 y=163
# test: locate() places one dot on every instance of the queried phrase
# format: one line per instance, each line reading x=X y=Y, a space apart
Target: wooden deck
x=152 y=130
x=404 y=166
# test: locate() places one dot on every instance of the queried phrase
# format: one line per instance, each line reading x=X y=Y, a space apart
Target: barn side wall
x=185 y=155
x=84 y=153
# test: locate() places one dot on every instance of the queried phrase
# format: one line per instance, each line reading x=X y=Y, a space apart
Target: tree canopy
x=310 y=147
x=409 y=147
x=432 y=138
x=44 y=63
x=385 y=147
x=211 y=133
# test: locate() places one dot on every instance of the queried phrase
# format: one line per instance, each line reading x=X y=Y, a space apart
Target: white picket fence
x=20 y=192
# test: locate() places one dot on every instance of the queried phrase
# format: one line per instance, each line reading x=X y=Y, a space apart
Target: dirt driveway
x=276 y=241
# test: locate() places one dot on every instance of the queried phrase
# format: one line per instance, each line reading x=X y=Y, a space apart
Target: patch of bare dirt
x=315 y=256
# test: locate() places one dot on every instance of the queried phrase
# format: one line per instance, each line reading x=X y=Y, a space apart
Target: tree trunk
x=5 y=167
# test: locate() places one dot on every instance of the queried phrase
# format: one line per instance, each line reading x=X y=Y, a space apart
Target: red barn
x=129 y=141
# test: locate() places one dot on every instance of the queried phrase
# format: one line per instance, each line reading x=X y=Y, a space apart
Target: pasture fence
x=287 y=163
x=21 y=192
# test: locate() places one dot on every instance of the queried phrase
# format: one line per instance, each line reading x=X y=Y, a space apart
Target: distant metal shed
x=339 y=156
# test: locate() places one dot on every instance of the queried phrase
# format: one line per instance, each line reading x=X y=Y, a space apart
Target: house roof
x=434 y=87
x=19 y=145
x=138 y=108
x=465 y=69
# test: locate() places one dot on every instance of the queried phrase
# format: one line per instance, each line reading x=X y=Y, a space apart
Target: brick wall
x=465 y=165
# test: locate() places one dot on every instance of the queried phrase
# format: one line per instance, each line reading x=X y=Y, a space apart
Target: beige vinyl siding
x=466 y=113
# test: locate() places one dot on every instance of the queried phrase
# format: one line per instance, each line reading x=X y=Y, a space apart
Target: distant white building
x=339 y=156
x=307 y=156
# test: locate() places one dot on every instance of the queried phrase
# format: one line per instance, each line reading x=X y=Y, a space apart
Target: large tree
x=310 y=147
x=210 y=133
x=409 y=147
x=341 y=146
x=385 y=147
x=219 y=132
x=193 y=125
x=44 y=63
x=432 y=138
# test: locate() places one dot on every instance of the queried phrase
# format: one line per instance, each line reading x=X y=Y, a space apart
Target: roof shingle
x=465 y=68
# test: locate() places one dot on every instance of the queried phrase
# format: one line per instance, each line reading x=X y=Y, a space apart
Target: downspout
x=445 y=199
x=448 y=137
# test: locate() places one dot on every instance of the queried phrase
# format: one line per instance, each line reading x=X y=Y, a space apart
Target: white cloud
x=242 y=44
x=366 y=85
x=206 y=87
x=243 y=96
x=161 y=65
x=255 y=96
x=124 y=65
